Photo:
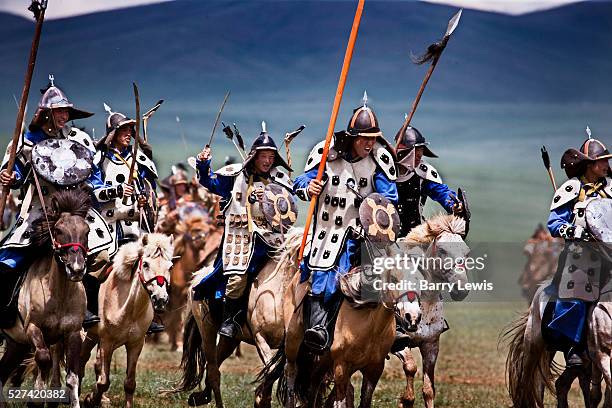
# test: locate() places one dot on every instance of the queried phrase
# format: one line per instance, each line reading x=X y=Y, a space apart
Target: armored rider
x=248 y=238
x=128 y=209
x=359 y=163
x=418 y=179
x=580 y=268
x=51 y=121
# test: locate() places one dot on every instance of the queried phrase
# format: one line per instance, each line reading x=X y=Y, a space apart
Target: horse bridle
x=159 y=279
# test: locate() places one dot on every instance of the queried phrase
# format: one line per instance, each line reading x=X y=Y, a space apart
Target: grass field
x=470 y=369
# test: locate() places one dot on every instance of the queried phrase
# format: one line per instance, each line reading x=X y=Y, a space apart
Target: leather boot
x=316 y=336
x=230 y=326
x=92 y=287
x=8 y=296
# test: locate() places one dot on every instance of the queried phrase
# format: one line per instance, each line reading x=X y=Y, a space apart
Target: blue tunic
x=212 y=286
x=20 y=258
x=440 y=193
x=326 y=282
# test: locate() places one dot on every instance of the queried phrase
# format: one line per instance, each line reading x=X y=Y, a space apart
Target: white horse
x=442 y=236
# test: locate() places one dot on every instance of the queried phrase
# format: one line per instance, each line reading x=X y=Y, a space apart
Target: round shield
x=379 y=218
x=599 y=219
x=278 y=207
x=62 y=161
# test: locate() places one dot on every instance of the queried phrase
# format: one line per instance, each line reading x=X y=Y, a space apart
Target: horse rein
x=159 y=279
x=56 y=245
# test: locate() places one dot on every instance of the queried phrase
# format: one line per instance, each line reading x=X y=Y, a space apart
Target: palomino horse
x=441 y=239
x=529 y=366
x=264 y=327
x=136 y=286
x=542 y=251
x=52 y=299
x=361 y=342
x=196 y=239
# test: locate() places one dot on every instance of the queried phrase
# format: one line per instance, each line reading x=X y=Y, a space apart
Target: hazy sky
x=66 y=8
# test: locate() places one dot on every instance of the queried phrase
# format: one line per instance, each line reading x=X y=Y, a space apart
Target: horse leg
x=103 y=362
x=72 y=345
x=290 y=376
x=57 y=354
x=129 y=385
x=263 y=396
x=410 y=371
x=429 y=353
x=13 y=356
x=563 y=385
x=341 y=381
x=595 y=391
x=89 y=343
x=42 y=355
x=368 y=384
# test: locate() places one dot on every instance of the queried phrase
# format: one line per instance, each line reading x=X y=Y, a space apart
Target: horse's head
x=154 y=267
x=408 y=309
x=66 y=230
x=449 y=248
x=195 y=228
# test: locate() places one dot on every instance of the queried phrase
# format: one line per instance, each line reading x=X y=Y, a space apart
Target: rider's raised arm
x=441 y=193
x=215 y=183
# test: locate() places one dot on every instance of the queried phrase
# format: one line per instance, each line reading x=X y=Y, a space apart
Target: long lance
x=288 y=139
x=434 y=51
x=136 y=140
x=38 y=8
x=546 y=160
x=145 y=118
x=212 y=134
x=334 y=115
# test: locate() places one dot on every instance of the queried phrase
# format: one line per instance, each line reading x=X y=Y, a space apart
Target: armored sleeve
x=385 y=187
x=441 y=193
x=215 y=183
x=300 y=184
x=559 y=222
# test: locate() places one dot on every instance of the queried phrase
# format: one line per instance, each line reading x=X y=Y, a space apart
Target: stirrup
x=316 y=339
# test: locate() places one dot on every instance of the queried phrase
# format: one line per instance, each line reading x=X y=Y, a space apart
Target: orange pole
x=332 y=120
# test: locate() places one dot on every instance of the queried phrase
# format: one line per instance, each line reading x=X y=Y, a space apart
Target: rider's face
x=418 y=154
x=362 y=146
x=599 y=168
x=122 y=137
x=264 y=159
x=60 y=117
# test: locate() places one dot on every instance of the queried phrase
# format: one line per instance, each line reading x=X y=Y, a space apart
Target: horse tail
x=193 y=361
x=272 y=371
x=529 y=364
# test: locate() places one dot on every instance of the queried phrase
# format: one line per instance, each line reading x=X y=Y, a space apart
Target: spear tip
x=453 y=23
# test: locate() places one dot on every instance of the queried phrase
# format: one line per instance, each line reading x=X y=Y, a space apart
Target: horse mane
x=74 y=202
x=290 y=246
x=154 y=245
x=431 y=228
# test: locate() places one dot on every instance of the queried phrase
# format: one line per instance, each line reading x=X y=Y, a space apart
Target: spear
x=546 y=160
x=434 y=51
x=334 y=115
x=136 y=140
x=212 y=134
x=146 y=117
x=178 y=121
x=38 y=8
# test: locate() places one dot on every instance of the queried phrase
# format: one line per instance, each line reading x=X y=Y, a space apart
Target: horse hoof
x=199 y=398
x=88 y=401
x=405 y=403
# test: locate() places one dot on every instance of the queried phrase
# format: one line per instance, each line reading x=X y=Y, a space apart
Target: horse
x=263 y=327
x=542 y=251
x=530 y=368
x=51 y=301
x=135 y=288
x=442 y=238
x=361 y=342
x=195 y=240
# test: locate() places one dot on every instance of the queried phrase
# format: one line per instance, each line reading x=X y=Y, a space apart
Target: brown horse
x=264 y=327
x=196 y=238
x=542 y=251
x=52 y=300
x=136 y=286
x=362 y=340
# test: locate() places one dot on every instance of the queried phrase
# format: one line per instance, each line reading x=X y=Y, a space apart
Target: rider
x=580 y=269
x=248 y=239
x=359 y=163
x=127 y=208
x=51 y=120
x=418 y=180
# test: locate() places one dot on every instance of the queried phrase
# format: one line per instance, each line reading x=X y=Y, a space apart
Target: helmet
x=409 y=138
x=574 y=161
x=265 y=142
x=54 y=98
x=114 y=121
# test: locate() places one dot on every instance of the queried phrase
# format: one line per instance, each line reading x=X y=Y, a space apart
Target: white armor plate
x=316 y=154
x=337 y=213
x=567 y=192
x=427 y=172
x=242 y=221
